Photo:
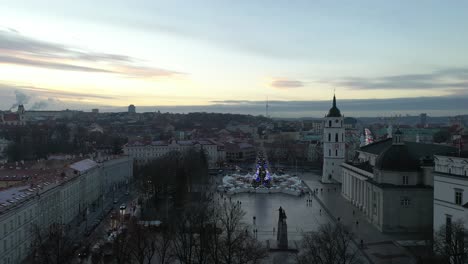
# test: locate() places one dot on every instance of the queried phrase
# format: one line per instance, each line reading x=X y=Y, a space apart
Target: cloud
x=25 y=94
x=231 y=101
x=285 y=83
x=22 y=50
x=49 y=65
x=441 y=105
x=455 y=78
x=39 y=105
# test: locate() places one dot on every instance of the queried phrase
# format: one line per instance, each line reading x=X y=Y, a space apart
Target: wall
x=415 y=217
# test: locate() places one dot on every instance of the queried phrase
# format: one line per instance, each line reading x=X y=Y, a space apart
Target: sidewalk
x=379 y=247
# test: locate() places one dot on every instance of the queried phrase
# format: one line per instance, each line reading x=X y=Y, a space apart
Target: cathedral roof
x=334 y=111
x=396 y=158
x=402 y=157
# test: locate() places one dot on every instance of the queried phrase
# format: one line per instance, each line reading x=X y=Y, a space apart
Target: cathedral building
x=391 y=182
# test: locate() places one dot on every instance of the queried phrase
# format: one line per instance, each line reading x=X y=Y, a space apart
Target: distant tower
x=333 y=144
x=389 y=131
x=20 y=109
x=423 y=119
x=131 y=109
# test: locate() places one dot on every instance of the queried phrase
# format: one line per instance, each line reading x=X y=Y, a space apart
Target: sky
x=230 y=56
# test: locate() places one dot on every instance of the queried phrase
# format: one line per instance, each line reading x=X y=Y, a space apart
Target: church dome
x=396 y=158
x=334 y=111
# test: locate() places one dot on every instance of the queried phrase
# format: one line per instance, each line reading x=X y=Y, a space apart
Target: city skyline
x=215 y=56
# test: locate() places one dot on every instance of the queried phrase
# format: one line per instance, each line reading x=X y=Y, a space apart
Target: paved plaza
x=378 y=247
x=301 y=217
x=327 y=206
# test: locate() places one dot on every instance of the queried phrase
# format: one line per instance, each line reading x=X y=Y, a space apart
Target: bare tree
x=164 y=245
x=449 y=243
x=192 y=235
x=141 y=242
x=184 y=242
x=234 y=244
x=330 y=244
x=52 y=245
x=121 y=249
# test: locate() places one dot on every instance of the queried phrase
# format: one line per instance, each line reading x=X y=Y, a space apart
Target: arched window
x=336 y=137
x=329 y=137
x=336 y=152
x=329 y=123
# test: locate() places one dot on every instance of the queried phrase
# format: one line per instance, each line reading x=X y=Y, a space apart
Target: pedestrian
x=357 y=223
x=320 y=211
x=362 y=243
x=339 y=219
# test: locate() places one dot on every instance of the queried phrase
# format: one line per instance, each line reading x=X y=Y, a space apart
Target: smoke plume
x=21 y=99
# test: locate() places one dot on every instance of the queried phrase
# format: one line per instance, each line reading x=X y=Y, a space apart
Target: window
x=342 y=137
x=329 y=152
x=405 y=201
x=336 y=137
x=405 y=180
x=336 y=152
x=458 y=196
x=336 y=121
x=329 y=123
x=329 y=137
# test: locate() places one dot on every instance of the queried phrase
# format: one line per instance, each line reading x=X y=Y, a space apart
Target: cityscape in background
x=233 y=132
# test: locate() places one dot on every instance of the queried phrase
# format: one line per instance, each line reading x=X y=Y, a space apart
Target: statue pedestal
x=272 y=245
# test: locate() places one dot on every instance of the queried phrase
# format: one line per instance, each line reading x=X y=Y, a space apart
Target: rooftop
x=14 y=195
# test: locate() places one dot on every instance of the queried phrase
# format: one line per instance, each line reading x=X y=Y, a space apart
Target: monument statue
x=282 y=235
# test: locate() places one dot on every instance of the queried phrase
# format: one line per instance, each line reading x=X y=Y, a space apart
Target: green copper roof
x=334 y=111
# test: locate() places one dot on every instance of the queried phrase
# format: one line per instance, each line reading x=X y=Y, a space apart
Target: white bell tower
x=333 y=145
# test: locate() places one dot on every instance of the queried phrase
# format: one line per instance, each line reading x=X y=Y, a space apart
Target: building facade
x=390 y=181
x=144 y=151
x=333 y=145
x=450 y=190
x=59 y=200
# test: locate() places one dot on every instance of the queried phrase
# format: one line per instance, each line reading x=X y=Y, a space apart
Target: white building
x=390 y=181
x=450 y=190
x=59 y=199
x=333 y=145
x=143 y=151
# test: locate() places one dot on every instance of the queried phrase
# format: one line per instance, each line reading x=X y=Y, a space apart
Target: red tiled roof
x=11 y=117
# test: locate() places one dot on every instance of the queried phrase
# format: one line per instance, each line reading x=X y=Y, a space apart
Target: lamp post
x=122 y=212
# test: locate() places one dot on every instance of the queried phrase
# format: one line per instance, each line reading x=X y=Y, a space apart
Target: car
x=123 y=207
x=83 y=254
x=115 y=201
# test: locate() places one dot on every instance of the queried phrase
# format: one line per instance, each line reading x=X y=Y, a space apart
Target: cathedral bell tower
x=333 y=145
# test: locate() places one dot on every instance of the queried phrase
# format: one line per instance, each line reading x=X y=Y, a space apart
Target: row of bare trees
x=202 y=233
